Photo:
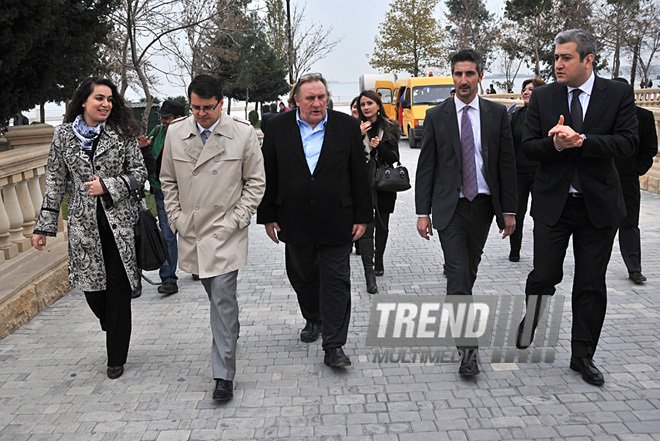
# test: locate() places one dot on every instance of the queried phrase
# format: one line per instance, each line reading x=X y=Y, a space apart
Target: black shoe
x=469 y=366
x=195 y=276
x=311 y=332
x=137 y=292
x=115 y=372
x=637 y=277
x=224 y=390
x=168 y=288
x=335 y=357
x=379 y=272
x=514 y=256
x=589 y=371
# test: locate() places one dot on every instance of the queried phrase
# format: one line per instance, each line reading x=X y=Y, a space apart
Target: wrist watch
x=583 y=136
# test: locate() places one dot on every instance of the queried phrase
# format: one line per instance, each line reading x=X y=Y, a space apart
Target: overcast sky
x=357 y=21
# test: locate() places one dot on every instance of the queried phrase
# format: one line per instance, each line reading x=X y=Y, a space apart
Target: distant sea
x=342 y=94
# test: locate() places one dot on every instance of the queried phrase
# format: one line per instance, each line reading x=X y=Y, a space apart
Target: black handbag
x=150 y=245
x=392 y=179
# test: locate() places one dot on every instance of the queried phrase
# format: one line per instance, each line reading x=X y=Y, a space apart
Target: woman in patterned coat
x=93 y=153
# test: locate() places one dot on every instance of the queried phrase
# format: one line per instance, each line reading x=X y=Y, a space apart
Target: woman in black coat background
x=381 y=147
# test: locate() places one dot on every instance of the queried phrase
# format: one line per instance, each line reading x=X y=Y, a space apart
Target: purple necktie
x=470 y=187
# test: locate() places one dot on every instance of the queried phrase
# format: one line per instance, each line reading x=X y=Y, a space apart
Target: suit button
x=196 y=207
x=195 y=173
x=215 y=207
x=312 y=179
x=217 y=158
x=215 y=172
x=199 y=238
x=214 y=235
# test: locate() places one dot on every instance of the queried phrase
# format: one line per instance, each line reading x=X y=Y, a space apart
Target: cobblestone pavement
x=53 y=384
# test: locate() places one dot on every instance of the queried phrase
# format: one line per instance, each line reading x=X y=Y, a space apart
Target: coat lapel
x=596 y=104
x=328 y=143
x=560 y=101
x=452 y=128
x=296 y=145
x=486 y=126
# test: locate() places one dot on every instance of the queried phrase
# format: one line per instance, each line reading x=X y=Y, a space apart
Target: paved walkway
x=53 y=384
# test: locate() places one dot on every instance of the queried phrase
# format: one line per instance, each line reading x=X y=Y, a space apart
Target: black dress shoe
x=514 y=256
x=311 y=332
x=589 y=371
x=168 y=288
x=137 y=292
x=335 y=357
x=469 y=366
x=115 y=372
x=224 y=390
x=637 y=277
x=195 y=276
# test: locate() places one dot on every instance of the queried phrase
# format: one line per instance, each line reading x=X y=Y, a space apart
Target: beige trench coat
x=211 y=192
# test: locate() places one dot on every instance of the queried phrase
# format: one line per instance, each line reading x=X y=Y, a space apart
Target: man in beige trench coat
x=213 y=179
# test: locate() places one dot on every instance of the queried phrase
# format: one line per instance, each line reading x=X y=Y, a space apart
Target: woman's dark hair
x=375 y=97
x=537 y=82
x=121 y=116
x=355 y=100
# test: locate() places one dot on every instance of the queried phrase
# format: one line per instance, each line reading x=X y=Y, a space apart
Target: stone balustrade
x=29 y=280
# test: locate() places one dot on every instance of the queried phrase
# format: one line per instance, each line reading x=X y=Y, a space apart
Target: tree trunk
x=633 y=71
x=247 y=100
x=42 y=113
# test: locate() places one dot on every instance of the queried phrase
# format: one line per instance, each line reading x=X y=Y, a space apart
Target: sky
x=356 y=22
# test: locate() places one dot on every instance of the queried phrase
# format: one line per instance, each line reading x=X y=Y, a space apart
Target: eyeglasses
x=311 y=74
x=196 y=109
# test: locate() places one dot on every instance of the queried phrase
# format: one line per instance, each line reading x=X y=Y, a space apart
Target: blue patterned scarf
x=86 y=134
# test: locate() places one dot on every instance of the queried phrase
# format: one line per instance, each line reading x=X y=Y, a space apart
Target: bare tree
x=613 y=22
x=311 y=42
x=509 y=53
x=140 y=33
x=645 y=42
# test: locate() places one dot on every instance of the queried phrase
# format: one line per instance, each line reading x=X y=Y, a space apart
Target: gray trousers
x=224 y=323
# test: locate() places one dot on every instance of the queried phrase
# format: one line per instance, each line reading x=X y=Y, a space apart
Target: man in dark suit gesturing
x=574 y=128
x=318 y=202
x=466 y=174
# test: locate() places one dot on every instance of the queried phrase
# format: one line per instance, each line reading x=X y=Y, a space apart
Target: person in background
x=525 y=168
x=168 y=112
x=381 y=147
x=283 y=108
x=630 y=169
x=93 y=152
x=272 y=111
x=354 y=108
x=492 y=90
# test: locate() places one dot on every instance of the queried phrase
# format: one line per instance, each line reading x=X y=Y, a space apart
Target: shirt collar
x=300 y=121
x=587 y=86
x=460 y=104
x=210 y=129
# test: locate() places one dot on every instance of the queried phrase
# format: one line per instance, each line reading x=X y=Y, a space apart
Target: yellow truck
x=412 y=97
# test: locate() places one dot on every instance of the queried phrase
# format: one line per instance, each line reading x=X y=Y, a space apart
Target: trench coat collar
x=192 y=139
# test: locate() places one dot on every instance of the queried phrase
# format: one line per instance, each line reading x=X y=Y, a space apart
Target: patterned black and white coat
x=114 y=158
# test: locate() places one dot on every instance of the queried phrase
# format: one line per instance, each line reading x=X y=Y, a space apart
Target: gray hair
x=307 y=78
x=586 y=42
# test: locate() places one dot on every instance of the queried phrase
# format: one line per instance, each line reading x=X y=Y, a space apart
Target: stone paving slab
x=53 y=384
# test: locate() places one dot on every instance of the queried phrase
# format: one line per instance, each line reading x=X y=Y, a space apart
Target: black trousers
x=592 y=248
x=629 y=237
x=112 y=306
x=321 y=277
x=463 y=242
x=525 y=184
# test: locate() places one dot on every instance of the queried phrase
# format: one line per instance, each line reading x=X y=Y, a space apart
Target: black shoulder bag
x=150 y=245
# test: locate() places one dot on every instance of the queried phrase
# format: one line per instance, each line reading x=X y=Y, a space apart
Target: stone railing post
x=7 y=248
x=27 y=208
x=15 y=215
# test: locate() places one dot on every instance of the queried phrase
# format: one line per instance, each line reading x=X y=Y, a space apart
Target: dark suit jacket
x=439 y=168
x=265 y=119
x=642 y=160
x=319 y=208
x=611 y=129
